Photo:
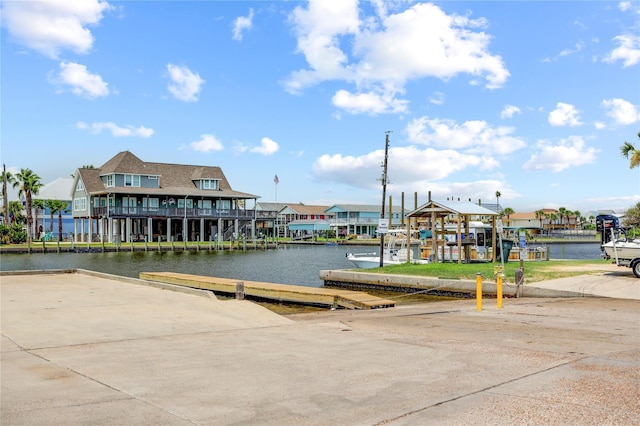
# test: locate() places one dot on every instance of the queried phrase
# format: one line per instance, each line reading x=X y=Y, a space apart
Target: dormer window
x=209 y=184
x=108 y=182
x=132 y=180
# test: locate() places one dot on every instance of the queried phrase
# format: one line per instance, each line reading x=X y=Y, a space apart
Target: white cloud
x=622 y=111
x=564 y=115
x=241 y=24
x=509 y=111
x=577 y=48
x=628 y=50
x=54 y=25
x=185 y=85
x=407 y=167
x=267 y=147
x=207 y=143
x=116 y=131
x=369 y=103
x=624 y=5
x=570 y=152
x=390 y=49
x=471 y=136
x=81 y=81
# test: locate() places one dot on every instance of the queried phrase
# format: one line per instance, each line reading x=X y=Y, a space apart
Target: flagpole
x=275 y=227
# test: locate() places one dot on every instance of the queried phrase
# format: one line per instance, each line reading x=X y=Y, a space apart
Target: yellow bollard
x=499 y=290
x=479 y=291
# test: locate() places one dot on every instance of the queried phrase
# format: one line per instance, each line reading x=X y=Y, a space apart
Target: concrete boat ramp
x=92 y=349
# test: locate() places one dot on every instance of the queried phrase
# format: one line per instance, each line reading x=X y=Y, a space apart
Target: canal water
x=290 y=264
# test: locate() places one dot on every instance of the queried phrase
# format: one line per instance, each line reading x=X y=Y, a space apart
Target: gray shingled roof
x=174 y=179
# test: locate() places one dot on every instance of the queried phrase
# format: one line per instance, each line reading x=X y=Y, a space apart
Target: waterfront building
x=361 y=219
x=127 y=199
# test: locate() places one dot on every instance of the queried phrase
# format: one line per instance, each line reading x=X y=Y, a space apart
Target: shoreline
x=40 y=248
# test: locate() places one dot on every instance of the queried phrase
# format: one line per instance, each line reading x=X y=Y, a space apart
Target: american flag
x=276 y=180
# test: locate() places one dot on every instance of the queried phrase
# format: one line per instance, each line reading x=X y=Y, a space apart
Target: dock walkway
x=280 y=292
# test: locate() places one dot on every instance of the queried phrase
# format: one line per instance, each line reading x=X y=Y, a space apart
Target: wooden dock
x=279 y=292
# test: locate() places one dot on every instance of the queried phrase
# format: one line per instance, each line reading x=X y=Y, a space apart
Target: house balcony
x=172 y=212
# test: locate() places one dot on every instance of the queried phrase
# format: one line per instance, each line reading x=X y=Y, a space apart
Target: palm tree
x=7 y=179
x=579 y=218
x=57 y=207
x=540 y=216
x=15 y=211
x=552 y=218
x=630 y=152
x=28 y=184
x=38 y=205
x=508 y=212
x=563 y=212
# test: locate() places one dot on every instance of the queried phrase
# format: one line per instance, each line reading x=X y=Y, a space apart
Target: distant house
x=290 y=219
x=296 y=219
x=526 y=220
x=361 y=219
x=127 y=199
x=266 y=215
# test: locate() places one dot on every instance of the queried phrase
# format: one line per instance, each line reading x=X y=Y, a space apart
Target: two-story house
x=127 y=199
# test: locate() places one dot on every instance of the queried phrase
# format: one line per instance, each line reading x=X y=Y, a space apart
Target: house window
x=209 y=184
x=205 y=207
x=80 y=186
x=181 y=203
x=151 y=204
x=223 y=204
x=109 y=181
x=79 y=204
x=132 y=180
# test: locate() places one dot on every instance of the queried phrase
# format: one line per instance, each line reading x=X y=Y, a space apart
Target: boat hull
x=622 y=249
x=368 y=262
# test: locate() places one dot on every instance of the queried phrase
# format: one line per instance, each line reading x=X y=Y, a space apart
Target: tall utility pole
x=384 y=192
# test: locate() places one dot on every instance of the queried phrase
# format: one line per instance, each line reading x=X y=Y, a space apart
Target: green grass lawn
x=534 y=271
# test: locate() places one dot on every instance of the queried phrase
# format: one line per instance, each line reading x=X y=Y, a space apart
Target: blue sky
x=532 y=99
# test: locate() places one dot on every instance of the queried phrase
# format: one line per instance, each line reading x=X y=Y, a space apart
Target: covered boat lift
x=437 y=211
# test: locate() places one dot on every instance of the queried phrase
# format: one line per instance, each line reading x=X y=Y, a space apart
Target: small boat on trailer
x=617 y=245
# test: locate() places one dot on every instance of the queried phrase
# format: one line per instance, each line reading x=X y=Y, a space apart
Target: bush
x=12 y=234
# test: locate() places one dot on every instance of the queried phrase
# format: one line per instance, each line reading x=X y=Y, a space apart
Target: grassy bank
x=534 y=271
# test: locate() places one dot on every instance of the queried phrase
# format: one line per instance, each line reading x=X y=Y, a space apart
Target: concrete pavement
x=86 y=349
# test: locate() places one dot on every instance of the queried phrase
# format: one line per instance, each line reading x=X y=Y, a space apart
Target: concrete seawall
x=613 y=282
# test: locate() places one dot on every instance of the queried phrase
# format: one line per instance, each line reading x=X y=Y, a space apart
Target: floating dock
x=279 y=292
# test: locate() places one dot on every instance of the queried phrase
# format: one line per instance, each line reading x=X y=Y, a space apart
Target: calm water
x=298 y=265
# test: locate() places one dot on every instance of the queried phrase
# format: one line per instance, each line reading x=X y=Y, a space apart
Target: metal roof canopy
x=446 y=208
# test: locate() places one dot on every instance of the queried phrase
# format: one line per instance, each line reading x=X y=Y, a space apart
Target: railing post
x=499 y=290
x=240 y=290
x=479 y=291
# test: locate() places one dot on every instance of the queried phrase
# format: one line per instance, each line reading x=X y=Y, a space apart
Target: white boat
x=625 y=252
x=623 y=249
x=394 y=253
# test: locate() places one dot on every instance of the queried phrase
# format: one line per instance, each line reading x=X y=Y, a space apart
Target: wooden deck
x=280 y=292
